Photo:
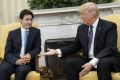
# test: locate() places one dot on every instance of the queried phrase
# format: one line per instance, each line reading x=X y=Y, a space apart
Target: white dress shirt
x=22 y=37
x=94 y=61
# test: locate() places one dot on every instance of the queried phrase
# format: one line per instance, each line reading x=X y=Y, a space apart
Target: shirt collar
x=95 y=23
x=23 y=29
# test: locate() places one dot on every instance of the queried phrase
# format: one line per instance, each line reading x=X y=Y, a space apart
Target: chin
x=28 y=27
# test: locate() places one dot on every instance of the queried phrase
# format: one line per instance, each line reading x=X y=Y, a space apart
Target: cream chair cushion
x=93 y=76
x=115 y=76
x=31 y=76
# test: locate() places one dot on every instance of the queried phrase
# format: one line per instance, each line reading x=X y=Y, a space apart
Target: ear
x=20 y=20
x=92 y=15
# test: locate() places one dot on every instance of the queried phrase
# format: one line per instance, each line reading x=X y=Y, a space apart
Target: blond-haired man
x=98 y=39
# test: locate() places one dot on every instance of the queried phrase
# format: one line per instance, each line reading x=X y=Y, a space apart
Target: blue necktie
x=90 y=36
x=25 y=38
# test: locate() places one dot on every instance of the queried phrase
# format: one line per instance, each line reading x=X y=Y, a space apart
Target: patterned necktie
x=90 y=36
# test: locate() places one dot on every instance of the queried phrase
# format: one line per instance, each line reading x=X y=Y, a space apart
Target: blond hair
x=91 y=8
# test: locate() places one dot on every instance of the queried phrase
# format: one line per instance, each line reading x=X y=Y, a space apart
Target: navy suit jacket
x=105 y=41
x=14 y=43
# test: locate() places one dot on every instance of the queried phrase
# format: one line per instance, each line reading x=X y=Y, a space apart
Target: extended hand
x=86 y=69
x=51 y=52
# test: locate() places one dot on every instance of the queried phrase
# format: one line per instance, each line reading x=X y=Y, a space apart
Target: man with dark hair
x=25 y=12
x=98 y=40
x=22 y=45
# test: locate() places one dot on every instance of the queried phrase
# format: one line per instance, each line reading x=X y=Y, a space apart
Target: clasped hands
x=24 y=59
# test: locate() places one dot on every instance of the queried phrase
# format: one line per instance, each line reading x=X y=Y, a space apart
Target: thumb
x=48 y=49
x=83 y=66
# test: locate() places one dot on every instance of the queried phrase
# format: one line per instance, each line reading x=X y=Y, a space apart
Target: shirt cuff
x=59 y=52
x=94 y=62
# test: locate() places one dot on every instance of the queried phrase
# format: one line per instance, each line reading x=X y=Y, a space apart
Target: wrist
x=59 y=53
x=16 y=62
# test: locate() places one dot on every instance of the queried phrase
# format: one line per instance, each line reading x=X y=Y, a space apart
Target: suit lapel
x=29 y=36
x=85 y=36
x=19 y=37
x=98 y=31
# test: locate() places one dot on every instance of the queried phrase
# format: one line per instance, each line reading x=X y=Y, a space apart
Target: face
x=26 y=22
x=87 y=18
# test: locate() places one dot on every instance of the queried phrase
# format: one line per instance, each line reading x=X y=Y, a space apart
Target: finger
x=48 y=49
x=22 y=62
x=47 y=53
x=83 y=72
x=44 y=54
x=22 y=58
x=27 y=59
x=83 y=66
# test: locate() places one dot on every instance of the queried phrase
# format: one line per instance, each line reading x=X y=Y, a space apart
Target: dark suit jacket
x=105 y=41
x=14 y=43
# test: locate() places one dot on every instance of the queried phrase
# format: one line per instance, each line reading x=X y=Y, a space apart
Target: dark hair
x=25 y=12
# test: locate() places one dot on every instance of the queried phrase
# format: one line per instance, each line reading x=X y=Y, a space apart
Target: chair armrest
x=0 y=60
x=37 y=63
x=45 y=72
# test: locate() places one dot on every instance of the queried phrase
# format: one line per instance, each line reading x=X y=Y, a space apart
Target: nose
x=30 y=21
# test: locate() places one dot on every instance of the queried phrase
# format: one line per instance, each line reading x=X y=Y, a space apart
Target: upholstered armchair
x=4 y=29
x=115 y=76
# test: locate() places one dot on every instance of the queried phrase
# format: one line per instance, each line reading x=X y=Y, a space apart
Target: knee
x=68 y=62
x=4 y=73
x=23 y=70
x=104 y=62
x=72 y=62
x=3 y=69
